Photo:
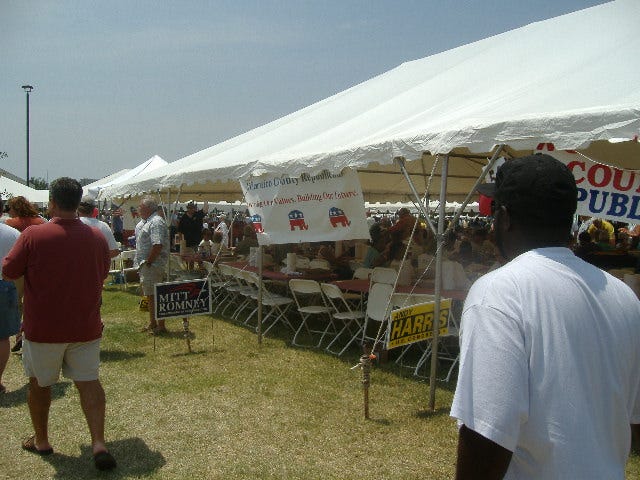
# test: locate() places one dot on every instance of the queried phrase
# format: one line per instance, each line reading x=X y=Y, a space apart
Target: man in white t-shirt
x=549 y=381
x=85 y=212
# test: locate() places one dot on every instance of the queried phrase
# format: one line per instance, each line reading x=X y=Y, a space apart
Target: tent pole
x=424 y=212
x=492 y=162
x=438 y=289
x=259 y=253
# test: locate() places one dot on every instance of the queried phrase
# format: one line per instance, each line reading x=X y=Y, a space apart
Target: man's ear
x=506 y=222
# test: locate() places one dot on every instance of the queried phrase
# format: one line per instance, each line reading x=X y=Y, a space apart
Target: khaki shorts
x=79 y=362
x=149 y=276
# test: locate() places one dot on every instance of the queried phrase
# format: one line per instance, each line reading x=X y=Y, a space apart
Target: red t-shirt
x=64 y=263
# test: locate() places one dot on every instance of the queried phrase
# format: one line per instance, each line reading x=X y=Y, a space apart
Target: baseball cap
x=537 y=189
x=87 y=201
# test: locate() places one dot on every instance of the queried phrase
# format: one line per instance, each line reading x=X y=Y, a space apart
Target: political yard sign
x=182 y=299
x=415 y=323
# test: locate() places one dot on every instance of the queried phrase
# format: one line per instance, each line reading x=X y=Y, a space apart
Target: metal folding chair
x=352 y=319
x=310 y=303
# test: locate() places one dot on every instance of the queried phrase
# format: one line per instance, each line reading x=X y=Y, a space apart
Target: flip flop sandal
x=29 y=445
x=104 y=461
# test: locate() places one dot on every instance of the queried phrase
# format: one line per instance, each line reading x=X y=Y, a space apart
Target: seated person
x=604 y=240
x=217 y=246
x=395 y=253
x=340 y=264
x=600 y=225
x=373 y=256
x=249 y=239
x=585 y=245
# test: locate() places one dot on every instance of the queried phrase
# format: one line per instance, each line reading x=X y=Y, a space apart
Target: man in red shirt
x=64 y=264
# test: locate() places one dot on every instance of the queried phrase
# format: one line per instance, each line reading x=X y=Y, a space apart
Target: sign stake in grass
x=365 y=366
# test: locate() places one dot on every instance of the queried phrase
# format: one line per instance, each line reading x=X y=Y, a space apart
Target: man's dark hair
x=538 y=191
x=66 y=193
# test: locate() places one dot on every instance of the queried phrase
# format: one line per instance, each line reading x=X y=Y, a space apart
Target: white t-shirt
x=224 y=230
x=8 y=236
x=104 y=228
x=549 y=366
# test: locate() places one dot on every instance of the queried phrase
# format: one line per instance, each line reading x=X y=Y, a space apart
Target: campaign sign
x=415 y=323
x=182 y=299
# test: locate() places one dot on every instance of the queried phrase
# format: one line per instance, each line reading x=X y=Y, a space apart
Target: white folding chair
x=217 y=282
x=276 y=305
x=352 y=319
x=310 y=303
x=362 y=273
x=115 y=270
x=232 y=297
x=383 y=275
x=319 y=264
x=127 y=257
x=377 y=313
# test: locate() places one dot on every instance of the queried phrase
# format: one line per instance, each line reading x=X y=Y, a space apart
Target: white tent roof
x=94 y=187
x=570 y=80
x=11 y=188
x=124 y=176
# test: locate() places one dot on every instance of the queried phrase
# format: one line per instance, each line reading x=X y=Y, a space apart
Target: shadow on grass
x=118 y=355
x=134 y=458
x=19 y=397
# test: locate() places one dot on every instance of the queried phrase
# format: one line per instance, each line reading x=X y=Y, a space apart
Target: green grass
x=234 y=409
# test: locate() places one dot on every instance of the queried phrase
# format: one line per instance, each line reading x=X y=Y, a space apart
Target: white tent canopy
x=570 y=80
x=11 y=188
x=125 y=176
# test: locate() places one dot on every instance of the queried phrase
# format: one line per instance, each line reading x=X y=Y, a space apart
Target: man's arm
x=479 y=458
x=155 y=251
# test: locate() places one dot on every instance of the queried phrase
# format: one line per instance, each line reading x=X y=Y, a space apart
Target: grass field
x=234 y=409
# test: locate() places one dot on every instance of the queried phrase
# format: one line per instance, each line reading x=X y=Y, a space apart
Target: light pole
x=27 y=88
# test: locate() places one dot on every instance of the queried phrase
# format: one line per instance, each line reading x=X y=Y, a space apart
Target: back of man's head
x=66 y=193
x=538 y=191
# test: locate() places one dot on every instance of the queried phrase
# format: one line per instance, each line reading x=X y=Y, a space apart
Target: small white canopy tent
x=11 y=188
x=569 y=80
x=124 y=176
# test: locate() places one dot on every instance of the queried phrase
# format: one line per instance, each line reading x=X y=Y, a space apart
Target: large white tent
x=570 y=80
x=11 y=188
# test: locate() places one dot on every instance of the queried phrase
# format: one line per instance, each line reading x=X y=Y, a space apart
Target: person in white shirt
x=9 y=311
x=223 y=228
x=85 y=212
x=549 y=384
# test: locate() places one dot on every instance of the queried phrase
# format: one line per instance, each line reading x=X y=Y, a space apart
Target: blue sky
x=120 y=81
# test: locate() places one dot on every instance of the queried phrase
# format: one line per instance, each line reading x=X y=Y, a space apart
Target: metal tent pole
x=438 y=286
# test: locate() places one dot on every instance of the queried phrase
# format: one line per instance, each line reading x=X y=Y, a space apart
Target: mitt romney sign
x=182 y=299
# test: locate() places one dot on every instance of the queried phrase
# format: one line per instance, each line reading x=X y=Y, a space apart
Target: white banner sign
x=603 y=191
x=310 y=208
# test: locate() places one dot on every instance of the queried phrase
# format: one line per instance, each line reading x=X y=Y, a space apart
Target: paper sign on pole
x=309 y=208
x=415 y=323
x=603 y=191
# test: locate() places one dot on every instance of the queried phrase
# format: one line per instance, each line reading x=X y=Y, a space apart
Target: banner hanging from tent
x=603 y=191
x=309 y=208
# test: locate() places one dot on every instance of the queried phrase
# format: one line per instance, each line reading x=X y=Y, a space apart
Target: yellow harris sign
x=415 y=323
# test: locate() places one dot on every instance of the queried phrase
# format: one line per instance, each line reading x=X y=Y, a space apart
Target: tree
x=38 y=183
